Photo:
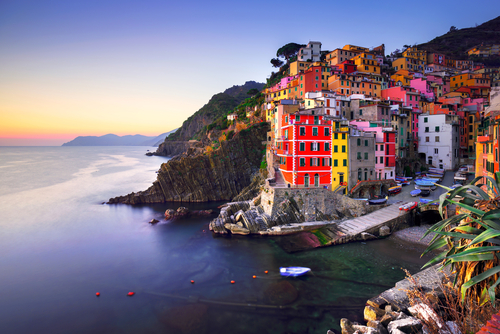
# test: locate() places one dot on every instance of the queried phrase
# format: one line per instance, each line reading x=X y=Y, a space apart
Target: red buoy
x=254 y=276
x=130 y=293
x=192 y=281
x=265 y=272
x=232 y=282
x=97 y=294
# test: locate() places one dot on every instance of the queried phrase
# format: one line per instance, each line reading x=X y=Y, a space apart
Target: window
x=376 y=147
x=426 y=129
x=361 y=111
x=335 y=148
x=314 y=146
x=336 y=136
x=436 y=151
x=327 y=147
x=437 y=129
x=302 y=146
x=327 y=132
x=343 y=136
x=345 y=162
x=359 y=156
x=381 y=147
x=315 y=131
x=366 y=155
x=302 y=162
x=297 y=118
x=366 y=142
x=426 y=139
x=302 y=131
x=343 y=148
x=425 y=119
x=359 y=142
x=335 y=162
x=381 y=160
x=437 y=139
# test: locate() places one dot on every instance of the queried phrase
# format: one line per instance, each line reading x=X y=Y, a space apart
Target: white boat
x=294 y=271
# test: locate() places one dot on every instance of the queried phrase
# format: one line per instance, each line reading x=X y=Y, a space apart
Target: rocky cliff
x=219 y=175
x=219 y=105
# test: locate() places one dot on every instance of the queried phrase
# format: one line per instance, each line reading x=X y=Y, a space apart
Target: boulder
x=372 y=313
x=408 y=325
x=378 y=326
x=346 y=326
x=169 y=214
x=236 y=229
x=365 y=329
x=384 y=231
x=427 y=314
x=153 y=221
x=238 y=215
x=367 y=236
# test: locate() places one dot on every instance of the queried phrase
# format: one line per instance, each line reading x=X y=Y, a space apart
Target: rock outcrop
x=183 y=212
x=219 y=175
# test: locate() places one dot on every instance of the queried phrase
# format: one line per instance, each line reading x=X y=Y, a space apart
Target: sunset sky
x=71 y=68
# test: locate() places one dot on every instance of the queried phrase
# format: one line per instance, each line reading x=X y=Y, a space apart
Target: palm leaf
x=486 y=235
x=491 y=291
x=471 y=257
x=467 y=207
x=435 y=245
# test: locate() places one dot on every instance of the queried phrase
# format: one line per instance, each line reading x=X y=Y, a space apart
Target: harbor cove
x=62 y=245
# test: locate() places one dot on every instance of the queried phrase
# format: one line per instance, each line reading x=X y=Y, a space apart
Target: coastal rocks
x=373 y=313
x=219 y=175
x=384 y=231
x=153 y=221
x=183 y=212
x=408 y=325
x=237 y=229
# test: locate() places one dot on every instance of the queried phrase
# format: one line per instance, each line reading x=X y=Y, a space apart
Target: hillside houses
x=344 y=116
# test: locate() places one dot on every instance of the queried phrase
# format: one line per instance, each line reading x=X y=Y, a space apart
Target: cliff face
x=219 y=105
x=216 y=176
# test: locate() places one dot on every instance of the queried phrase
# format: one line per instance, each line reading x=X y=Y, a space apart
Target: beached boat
x=425 y=192
x=436 y=170
x=415 y=192
x=395 y=190
x=423 y=183
x=408 y=206
x=294 y=271
x=376 y=201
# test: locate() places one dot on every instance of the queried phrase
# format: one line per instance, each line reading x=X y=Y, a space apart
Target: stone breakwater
x=393 y=312
x=279 y=211
x=219 y=175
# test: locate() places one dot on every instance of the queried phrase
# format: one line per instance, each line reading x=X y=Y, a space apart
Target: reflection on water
x=60 y=246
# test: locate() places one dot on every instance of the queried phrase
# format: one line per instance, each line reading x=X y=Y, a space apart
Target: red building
x=304 y=149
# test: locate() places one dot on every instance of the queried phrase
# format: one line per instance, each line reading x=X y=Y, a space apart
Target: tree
x=276 y=62
x=253 y=91
x=471 y=237
x=289 y=50
x=453 y=28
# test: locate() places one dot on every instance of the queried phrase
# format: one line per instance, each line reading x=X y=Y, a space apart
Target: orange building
x=413 y=52
x=409 y=64
x=366 y=63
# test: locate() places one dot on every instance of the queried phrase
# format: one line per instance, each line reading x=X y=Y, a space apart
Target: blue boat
x=415 y=192
x=423 y=183
x=424 y=201
x=294 y=271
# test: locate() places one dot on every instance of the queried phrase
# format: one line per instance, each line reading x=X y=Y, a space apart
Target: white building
x=438 y=140
x=312 y=52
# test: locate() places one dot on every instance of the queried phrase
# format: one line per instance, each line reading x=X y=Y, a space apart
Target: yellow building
x=409 y=64
x=469 y=79
x=366 y=63
x=402 y=76
x=415 y=53
x=340 y=154
x=355 y=48
x=298 y=66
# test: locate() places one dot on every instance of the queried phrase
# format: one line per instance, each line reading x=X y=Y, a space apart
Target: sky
x=89 y=68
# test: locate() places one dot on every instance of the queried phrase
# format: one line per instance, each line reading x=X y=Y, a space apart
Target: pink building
x=421 y=85
x=408 y=95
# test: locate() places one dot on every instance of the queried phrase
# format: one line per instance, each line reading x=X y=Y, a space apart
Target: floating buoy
x=232 y=282
x=254 y=276
x=192 y=281
x=265 y=272
x=97 y=294
x=203 y=231
x=130 y=293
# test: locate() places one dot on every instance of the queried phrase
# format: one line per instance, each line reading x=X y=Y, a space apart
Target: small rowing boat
x=415 y=192
x=408 y=206
x=395 y=190
x=294 y=271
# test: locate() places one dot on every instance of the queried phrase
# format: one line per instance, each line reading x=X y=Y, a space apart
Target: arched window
x=359 y=173
x=306 y=180
x=366 y=174
x=316 y=180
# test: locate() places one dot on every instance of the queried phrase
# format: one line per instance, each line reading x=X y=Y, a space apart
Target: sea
x=60 y=245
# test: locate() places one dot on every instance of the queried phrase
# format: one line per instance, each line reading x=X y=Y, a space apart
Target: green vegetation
x=289 y=50
x=471 y=238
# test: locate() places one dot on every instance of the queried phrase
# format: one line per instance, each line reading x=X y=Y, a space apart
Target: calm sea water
x=59 y=245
